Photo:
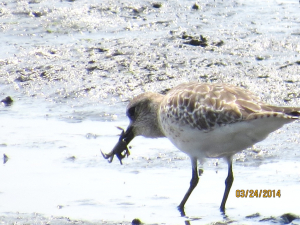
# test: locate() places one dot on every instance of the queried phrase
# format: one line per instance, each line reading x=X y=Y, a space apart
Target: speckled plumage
x=204 y=121
x=206 y=106
x=218 y=120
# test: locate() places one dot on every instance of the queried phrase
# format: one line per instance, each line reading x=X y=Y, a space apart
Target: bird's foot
x=181 y=210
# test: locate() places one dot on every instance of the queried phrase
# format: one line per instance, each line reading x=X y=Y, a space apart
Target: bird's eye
x=131 y=112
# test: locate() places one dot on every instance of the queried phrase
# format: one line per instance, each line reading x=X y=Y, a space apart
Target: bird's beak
x=121 y=146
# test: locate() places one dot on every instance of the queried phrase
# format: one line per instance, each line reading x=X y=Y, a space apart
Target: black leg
x=228 y=184
x=193 y=184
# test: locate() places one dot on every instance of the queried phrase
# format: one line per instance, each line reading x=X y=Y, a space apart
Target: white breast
x=221 y=141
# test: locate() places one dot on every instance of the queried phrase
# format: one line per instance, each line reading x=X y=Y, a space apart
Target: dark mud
x=112 y=51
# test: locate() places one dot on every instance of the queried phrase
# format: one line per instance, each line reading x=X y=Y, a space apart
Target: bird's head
x=142 y=112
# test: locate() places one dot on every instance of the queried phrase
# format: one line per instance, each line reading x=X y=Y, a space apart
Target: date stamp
x=257 y=193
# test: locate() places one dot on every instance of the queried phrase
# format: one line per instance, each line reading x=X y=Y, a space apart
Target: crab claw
x=120 y=149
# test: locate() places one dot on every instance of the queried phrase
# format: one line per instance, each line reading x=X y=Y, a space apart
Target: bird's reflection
x=190 y=219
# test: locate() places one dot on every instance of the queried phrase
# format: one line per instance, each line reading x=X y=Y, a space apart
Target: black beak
x=121 y=146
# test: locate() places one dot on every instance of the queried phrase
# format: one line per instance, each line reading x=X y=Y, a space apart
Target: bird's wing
x=205 y=106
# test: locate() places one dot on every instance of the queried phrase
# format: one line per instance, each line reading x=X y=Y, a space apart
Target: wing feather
x=205 y=106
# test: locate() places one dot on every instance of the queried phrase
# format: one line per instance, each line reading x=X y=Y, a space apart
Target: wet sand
x=71 y=66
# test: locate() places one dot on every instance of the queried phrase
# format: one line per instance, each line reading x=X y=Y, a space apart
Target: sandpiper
x=204 y=121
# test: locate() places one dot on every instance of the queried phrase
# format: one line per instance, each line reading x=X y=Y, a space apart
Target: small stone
x=270 y=219
x=289 y=217
x=220 y=43
x=195 y=6
x=37 y=14
x=136 y=222
x=157 y=5
x=7 y=101
x=255 y=215
x=71 y=158
x=5 y=158
x=260 y=58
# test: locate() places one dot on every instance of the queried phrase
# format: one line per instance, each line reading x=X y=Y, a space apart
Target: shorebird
x=204 y=121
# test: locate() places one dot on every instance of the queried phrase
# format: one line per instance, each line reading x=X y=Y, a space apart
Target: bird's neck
x=155 y=124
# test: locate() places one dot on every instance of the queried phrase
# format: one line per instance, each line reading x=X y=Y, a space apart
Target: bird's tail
x=291 y=111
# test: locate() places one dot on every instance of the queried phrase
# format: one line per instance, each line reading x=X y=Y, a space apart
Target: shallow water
x=71 y=67
x=55 y=168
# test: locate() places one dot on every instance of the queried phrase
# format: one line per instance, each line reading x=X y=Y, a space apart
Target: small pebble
x=5 y=158
x=7 y=101
x=157 y=5
x=136 y=222
x=195 y=6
